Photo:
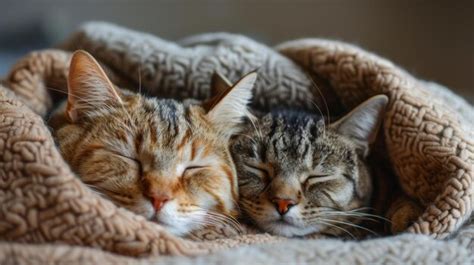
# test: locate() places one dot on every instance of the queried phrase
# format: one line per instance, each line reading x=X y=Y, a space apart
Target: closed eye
x=126 y=157
x=136 y=161
x=258 y=170
x=317 y=176
x=311 y=179
x=191 y=169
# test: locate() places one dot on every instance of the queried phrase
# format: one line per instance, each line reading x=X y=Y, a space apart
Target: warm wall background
x=431 y=39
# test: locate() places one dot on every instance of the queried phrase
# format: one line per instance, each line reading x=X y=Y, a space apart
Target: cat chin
x=289 y=230
x=175 y=222
x=176 y=230
x=179 y=226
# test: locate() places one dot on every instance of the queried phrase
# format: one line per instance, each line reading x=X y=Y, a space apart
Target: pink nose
x=159 y=202
x=283 y=205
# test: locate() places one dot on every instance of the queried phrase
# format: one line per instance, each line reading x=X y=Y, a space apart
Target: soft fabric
x=47 y=215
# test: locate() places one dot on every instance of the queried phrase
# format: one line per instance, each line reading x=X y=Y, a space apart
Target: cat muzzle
x=283 y=205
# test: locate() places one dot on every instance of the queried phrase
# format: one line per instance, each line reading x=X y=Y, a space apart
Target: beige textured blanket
x=47 y=215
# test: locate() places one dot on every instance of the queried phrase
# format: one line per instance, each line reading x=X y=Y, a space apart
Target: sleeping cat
x=297 y=176
x=159 y=158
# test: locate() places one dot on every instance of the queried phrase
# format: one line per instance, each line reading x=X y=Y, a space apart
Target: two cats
x=183 y=165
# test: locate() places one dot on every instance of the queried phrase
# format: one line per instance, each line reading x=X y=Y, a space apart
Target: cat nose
x=283 y=205
x=159 y=202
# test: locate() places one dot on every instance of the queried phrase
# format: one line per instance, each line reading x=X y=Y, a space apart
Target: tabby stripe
x=138 y=142
x=121 y=136
x=306 y=149
x=220 y=204
x=94 y=182
x=122 y=200
x=86 y=152
x=87 y=129
x=228 y=173
x=109 y=192
x=193 y=150
x=185 y=139
x=263 y=153
x=207 y=151
x=176 y=187
x=104 y=177
x=275 y=147
x=153 y=133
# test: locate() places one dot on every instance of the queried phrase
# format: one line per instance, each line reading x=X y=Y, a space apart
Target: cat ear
x=227 y=109
x=88 y=86
x=219 y=84
x=362 y=123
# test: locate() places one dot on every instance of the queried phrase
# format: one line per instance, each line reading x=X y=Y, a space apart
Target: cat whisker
x=236 y=203
x=322 y=97
x=353 y=215
x=139 y=79
x=68 y=93
x=348 y=224
x=207 y=223
x=366 y=216
x=248 y=137
x=235 y=223
x=250 y=207
x=95 y=190
x=322 y=115
x=335 y=226
x=220 y=218
x=258 y=131
x=356 y=212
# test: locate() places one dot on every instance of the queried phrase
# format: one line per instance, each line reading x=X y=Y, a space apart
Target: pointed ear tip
x=381 y=100
x=80 y=52
x=81 y=55
x=251 y=77
x=254 y=73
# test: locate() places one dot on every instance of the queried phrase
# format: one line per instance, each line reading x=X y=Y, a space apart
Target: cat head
x=159 y=158
x=298 y=176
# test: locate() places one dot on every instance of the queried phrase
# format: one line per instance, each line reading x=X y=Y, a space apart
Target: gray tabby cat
x=298 y=176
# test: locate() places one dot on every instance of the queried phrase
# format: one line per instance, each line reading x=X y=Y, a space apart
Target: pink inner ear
x=88 y=86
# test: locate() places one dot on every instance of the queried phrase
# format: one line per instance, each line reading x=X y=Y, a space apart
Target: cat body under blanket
x=159 y=158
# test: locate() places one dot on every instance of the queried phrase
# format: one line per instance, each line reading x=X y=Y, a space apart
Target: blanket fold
x=430 y=148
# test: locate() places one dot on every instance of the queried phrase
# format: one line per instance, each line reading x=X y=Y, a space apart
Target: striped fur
x=128 y=147
x=293 y=156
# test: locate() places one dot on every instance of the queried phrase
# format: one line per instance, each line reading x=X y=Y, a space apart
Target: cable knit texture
x=48 y=216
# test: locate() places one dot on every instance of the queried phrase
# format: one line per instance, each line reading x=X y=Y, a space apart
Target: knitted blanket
x=48 y=216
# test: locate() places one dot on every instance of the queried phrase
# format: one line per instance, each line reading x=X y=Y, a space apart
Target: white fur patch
x=230 y=110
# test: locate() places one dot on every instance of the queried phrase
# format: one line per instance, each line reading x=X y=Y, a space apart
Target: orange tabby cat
x=160 y=158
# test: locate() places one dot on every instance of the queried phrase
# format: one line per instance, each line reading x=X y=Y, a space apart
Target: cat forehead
x=163 y=108
x=295 y=136
x=292 y=122
x=164 y=114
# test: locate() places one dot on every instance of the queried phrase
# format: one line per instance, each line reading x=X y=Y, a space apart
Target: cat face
x=156 y=157
x=297 y=176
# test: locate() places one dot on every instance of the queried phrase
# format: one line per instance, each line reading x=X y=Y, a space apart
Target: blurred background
x=433 y=40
